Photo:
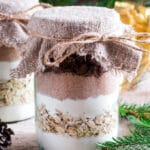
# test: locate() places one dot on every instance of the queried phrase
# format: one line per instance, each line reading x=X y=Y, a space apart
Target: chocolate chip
x=79 y=65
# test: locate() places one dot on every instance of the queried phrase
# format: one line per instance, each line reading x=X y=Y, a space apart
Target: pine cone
x=5 y=135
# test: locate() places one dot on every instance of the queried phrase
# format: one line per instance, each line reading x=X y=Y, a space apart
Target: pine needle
x=139 y=139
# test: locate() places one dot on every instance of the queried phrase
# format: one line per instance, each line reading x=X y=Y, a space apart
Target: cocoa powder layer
x=8 y=54
x=67 y=85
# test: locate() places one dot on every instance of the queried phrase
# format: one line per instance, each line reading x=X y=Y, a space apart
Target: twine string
x=22 y=16
x=81 y=40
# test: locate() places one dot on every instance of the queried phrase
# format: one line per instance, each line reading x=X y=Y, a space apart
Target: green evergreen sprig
x=59 y=2
x=104 y=3
x=138 y=111
x=137 y=115
x=139 y=138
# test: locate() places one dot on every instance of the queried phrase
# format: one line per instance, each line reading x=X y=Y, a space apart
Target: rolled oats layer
x=17 y=91
x=83 y=126
x=16 y=95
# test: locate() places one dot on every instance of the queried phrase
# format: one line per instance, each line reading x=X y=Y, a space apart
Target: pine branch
x=139 y=122
x=137 y=111
x=104 y=3
x=59 y=2
x=139 y=139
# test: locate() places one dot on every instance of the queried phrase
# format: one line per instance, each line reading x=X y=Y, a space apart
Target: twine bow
x=89 y=38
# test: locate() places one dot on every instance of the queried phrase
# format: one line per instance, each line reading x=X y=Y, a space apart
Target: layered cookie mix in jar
x=79 y=69
x=16 y=95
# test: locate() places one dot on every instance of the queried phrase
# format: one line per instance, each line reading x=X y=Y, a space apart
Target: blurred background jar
x=16 y=95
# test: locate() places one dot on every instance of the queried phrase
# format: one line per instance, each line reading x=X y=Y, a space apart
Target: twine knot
x=63 y=50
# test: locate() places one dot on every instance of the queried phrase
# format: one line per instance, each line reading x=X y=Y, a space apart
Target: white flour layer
x=16 y=112
x=50 y=141
x=91 y=106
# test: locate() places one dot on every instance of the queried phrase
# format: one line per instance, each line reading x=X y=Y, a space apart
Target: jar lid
x=12 y=35
x=65 y=24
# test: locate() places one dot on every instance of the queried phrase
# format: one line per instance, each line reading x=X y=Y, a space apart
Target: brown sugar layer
x=67 y=85
x=8 y=54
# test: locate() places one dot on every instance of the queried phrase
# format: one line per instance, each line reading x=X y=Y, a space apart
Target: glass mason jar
x=75 y=112
x=16 y=95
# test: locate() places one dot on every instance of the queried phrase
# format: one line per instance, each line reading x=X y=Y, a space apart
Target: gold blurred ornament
x=138 y=17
